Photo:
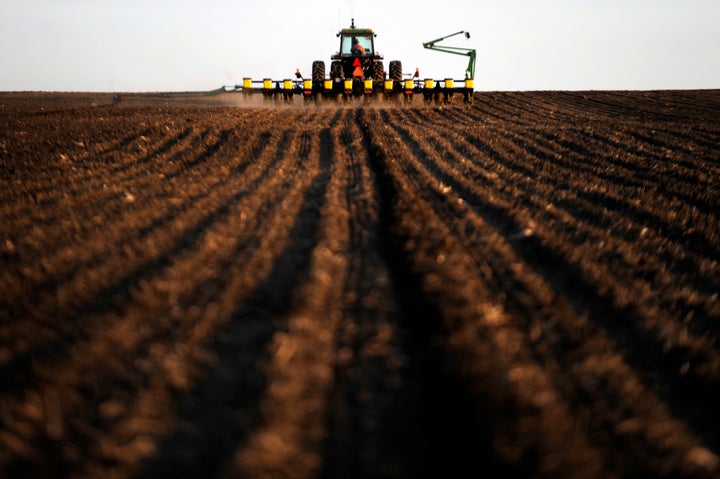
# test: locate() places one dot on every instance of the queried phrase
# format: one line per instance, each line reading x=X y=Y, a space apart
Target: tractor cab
x=356 y=42
x=357 y=57
x=353 y=43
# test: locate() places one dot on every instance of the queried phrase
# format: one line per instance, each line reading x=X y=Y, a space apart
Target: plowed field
x=197 y=287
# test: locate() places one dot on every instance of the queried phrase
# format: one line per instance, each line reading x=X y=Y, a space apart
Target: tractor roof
x=356 y=31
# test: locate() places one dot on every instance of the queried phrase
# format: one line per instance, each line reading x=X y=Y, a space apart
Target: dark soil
x=197 y=286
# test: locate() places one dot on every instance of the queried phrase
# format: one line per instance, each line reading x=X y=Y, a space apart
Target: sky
x=191 y=45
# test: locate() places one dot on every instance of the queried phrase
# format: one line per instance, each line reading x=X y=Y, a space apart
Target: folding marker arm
x=468 y=52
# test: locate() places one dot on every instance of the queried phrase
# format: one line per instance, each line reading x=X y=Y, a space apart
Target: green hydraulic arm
x=468 y=52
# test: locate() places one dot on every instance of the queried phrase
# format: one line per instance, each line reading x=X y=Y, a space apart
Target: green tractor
x=357 y=68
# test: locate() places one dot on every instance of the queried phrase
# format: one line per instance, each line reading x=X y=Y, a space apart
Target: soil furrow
x=671 y=343
x=177 y=377
x=362 y=437
x=611 y=211
x=550 y=187
x=107 y=294
x=511 y=198
x=109 y=193
x=651 y=257
x=481 y=317
x=74 y=157
x=545 y=164
x=181 y=192
x=564 y=330
x=93 y=219
x=295 y=402
x=220 y=414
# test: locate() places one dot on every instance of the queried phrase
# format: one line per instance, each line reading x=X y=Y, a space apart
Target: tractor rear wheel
x=318 y=71
x=378 y=72
x=396 y=70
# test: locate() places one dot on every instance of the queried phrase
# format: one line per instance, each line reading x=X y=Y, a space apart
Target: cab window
x=349 y=41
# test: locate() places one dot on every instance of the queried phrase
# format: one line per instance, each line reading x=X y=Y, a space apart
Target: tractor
x=356 y=69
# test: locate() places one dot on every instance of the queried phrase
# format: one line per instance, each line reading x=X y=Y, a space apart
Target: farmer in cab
x=358 y=48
